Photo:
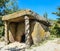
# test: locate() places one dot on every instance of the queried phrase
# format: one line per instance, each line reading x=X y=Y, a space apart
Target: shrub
x=55 y=30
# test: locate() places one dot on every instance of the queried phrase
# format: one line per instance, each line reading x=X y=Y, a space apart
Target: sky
x=41 y=6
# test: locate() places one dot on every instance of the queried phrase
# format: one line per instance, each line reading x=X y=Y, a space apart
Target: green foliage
x=1 y=31
x=7 y=7
x=3 y=6
x=55 y=30
x=11 y=7
x=45 y=15
x=1 y=22
x=57 y=14
x=3 y=2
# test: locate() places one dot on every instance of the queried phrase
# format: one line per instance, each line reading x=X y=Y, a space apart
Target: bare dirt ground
x=50 y=45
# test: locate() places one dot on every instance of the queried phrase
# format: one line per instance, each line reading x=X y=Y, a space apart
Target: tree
x=56 y=28
x=3 y=6
x=45 y=15
x=3 y=2
x=7 y=7
x=57 y=14
x=11 y=7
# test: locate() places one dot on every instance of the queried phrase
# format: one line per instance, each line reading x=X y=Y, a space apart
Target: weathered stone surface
x=27 y=31
x=47 y=34
x=38 y=32
x=6 y=31
x=12 y=32
x=22 y=13
x=16 y=46
x=35 y=34
x=20 y=31
x=33 y=30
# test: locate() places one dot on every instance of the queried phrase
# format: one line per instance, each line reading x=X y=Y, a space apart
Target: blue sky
x=40 y=6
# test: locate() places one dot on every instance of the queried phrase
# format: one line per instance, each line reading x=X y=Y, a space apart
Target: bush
x=1 y=31
x=55 y=30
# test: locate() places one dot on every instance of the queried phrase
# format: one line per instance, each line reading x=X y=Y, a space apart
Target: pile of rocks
x=16 y=46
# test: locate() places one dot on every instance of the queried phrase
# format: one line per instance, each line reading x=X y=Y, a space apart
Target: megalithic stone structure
x=25 y=26
x=27 y=31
